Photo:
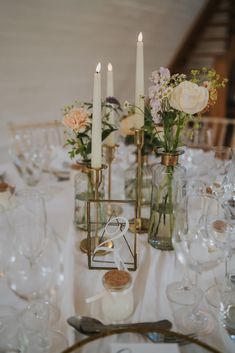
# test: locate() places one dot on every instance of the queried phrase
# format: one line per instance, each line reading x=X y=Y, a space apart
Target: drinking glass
x=37 y=326
x=219 y=178
x=31 y=280
x=28 y=219
x=227 y=304
x=221 y=226
x=27 y=157
x=12 y=338
x=198 y=250
x=184 y=292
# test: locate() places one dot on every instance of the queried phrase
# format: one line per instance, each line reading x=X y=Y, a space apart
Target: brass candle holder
x=141 y=224
x=96 y=179
x=109 y=157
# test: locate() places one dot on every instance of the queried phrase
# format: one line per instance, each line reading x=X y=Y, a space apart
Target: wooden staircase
x=210 y=42
x=209 y=37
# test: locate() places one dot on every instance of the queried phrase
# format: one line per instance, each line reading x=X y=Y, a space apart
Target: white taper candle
x=139 y=84
x=96 y=152
x=110 y=140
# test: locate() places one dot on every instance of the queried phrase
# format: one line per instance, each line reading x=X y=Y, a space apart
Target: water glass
x=36 y=324
x=227 y=308
x=220 y=182
x=12 y=338
x=27 y=156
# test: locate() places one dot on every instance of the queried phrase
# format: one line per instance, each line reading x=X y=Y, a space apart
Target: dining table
x=155 y=271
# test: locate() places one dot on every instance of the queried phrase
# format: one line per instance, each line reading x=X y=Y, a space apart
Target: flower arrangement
x=175 y=99
x=78 y=121
x=128 y=122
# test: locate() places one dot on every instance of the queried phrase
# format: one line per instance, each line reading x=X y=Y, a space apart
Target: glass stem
x=198 y=297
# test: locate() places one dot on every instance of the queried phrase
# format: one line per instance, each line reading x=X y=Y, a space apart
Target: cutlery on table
x=156 y=337
x=89 y=326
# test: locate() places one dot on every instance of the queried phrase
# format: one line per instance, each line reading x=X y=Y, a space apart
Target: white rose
x=189 y=98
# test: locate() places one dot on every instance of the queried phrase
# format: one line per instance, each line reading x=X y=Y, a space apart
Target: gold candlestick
x=109 y=156
x=141 y=224
x=96 y=179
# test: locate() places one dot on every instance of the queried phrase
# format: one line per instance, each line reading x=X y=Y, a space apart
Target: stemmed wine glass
x=219 y=177
x=27 y=156
x=221 y=226
x=35 y=279
x=184 y=291
x=33 y=271
x=198 y=250
x=27 y=218
x=35 y=255
x=37 y=283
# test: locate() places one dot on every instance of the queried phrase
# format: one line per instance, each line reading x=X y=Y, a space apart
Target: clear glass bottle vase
x=168 y=187
x=85 y=190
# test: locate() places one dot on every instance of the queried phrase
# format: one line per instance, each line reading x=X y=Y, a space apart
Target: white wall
x=49 y=49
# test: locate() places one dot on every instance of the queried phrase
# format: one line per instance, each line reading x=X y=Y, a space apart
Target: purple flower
x=165 y=73
x=152 y=91
x=156 y=117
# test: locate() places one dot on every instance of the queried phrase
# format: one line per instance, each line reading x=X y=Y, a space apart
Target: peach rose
x=189 y=98
x=77 y=119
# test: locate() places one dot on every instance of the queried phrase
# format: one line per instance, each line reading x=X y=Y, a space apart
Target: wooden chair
x=211 y=131
x=50 y=126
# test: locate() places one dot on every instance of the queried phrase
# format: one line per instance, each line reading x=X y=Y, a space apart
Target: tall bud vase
x=84 y=191
x=168 y=187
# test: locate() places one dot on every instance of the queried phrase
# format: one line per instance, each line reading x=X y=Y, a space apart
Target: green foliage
x=80 y=142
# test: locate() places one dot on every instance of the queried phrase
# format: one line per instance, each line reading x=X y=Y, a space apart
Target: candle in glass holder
x=96 y=156
x=139 y=83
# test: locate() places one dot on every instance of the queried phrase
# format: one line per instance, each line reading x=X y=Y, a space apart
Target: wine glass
x=27 y=218
x=27 y=157
x=38 y=279
x=219 y=178
x=221 y=225
x=184 y=292
x=198 y=250
x=38 y=321
x=12 y=338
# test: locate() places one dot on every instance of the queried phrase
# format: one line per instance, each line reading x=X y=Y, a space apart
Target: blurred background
x=50 y=49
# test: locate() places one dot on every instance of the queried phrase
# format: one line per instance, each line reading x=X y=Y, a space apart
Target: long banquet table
x=156 y=269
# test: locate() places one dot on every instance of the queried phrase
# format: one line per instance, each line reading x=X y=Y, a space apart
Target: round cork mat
x=117 y=279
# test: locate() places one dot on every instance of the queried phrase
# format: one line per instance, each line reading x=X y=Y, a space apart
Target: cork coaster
x=209 y=190
x=220 y=226
x=117 y=279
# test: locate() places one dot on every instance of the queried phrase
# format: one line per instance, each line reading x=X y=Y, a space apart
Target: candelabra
x=141 y=224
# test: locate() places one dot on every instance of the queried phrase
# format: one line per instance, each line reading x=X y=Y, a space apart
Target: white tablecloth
x=156 y=269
